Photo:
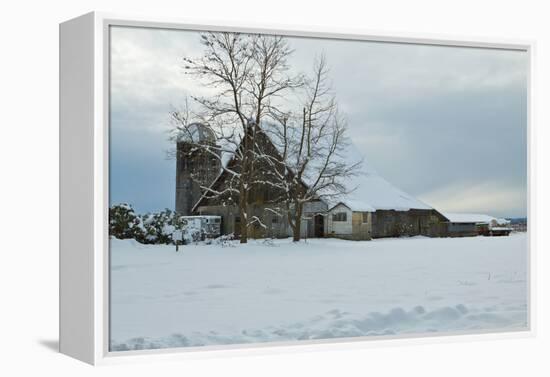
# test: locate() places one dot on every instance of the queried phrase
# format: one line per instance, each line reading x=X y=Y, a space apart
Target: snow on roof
x=468 y=218
x=354 y=205
x=372 y=192
x=375 y=193
x=474 y=218
x=227 y=150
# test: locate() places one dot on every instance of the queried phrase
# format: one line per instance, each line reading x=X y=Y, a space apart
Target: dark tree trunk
x=297 y=223
x=243 y=190
x=244 y=221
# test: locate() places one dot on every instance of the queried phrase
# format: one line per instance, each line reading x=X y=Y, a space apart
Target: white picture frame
x=84 y=187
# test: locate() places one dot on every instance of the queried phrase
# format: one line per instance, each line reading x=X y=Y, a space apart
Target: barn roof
x=196 y=133
x=474 y=218
x=228 y=157
x=372 y=192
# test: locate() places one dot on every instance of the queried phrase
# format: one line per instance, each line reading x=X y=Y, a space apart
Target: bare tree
x=312 y=142
x=247 y=73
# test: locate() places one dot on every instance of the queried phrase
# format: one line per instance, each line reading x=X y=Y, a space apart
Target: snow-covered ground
x=211 y=295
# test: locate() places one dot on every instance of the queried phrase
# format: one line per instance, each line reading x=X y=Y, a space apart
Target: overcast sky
x=445 y=124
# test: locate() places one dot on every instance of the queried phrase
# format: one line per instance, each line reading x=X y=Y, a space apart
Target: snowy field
x=212 y=295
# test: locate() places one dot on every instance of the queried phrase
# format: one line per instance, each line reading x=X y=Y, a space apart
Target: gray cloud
x=445 y=124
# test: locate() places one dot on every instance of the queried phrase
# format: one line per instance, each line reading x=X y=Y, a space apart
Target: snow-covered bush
x=124 y=223
x=225 y=240
x=160 y=227
x=151 y=228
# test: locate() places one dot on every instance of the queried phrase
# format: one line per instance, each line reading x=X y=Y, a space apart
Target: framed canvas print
x=225 y=188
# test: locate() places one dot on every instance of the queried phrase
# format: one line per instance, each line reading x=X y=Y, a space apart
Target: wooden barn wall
x=390 y=223
x=462 y=230
x=276 y=226
x=361 y=230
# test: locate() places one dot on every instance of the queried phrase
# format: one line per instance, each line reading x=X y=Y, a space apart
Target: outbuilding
x=474 y=224
x=349 y=221
x=377 y=209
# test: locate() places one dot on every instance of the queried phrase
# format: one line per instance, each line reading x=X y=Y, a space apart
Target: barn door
x=319 y=226
x=237 y=227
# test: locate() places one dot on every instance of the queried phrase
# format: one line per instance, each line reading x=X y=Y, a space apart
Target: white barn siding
x=340 y=227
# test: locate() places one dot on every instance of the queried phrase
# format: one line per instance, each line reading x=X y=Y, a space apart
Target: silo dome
x=197 y=133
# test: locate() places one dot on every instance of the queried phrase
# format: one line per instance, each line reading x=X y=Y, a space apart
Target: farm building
x=375 y=209
x=195 y=168
x=471 y=224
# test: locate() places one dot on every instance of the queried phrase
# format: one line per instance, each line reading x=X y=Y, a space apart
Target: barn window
x=340 y=216
x=274 y=220
x=365 y=217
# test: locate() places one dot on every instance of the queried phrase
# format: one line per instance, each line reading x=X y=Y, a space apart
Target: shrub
x=160 y=226
x=151 y=228
x=124 y=223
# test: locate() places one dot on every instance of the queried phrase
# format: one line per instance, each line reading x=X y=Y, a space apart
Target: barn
x=474 y=224
x=377 y=209
x=195 y=169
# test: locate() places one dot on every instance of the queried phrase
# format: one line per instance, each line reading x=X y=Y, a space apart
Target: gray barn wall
x=462 y=229
x=276 y=226
x=307 y=228
x=390 y=223
x=382 y=223
x=203 y=165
